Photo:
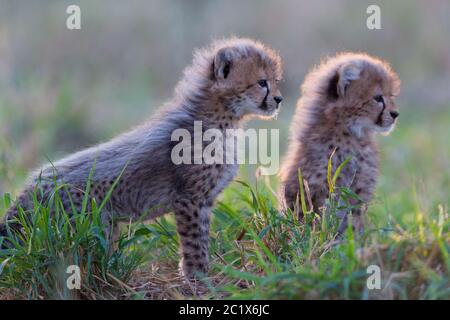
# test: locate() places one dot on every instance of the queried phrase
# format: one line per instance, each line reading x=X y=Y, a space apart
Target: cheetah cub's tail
x=3 y=234
x=12 y=212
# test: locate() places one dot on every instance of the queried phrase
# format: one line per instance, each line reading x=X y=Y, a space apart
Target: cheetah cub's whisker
x=227 y=83
x=345 y=100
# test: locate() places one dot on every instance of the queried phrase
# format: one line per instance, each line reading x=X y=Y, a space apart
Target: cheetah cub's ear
x=222 y=63
x=346 y=74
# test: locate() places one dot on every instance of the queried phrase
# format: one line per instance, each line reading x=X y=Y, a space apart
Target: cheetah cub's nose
x=278 y=100
x=394 y=114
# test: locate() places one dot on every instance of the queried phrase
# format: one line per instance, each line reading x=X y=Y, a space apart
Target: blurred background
x=61 y=90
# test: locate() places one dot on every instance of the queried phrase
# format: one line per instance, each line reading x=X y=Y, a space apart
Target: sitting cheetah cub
x=227 y=83
x=345 y=100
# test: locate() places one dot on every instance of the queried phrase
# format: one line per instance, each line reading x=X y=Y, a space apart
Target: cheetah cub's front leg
x=193 y=227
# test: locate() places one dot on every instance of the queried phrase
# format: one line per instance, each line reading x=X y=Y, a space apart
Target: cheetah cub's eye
x=379 y=99
x=262 y=83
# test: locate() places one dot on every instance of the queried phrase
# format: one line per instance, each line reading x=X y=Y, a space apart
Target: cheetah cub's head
x=360 y=90
x=245 y=76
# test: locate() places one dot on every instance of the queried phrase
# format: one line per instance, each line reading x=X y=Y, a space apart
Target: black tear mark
x=264 y=102
x=380 y=116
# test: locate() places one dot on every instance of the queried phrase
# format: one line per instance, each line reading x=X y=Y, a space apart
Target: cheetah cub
x=345 y=100
x=228 y=82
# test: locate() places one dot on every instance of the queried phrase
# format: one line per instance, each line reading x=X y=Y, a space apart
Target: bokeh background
x=61 y=90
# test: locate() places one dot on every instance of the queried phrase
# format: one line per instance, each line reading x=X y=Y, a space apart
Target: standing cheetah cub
x=228 y=82
x=345 y=100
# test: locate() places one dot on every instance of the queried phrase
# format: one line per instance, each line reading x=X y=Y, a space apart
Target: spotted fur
x=221 y=88
x=345 y=100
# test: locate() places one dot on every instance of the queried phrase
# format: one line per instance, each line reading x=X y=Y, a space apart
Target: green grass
x=258 y=252
x=35 y=259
